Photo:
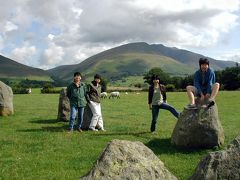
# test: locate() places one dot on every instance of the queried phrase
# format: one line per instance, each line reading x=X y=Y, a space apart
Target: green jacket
x=93 y=92
x=77 y=95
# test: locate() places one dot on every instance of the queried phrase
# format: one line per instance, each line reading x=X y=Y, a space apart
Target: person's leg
x=100 y=119
x=191 y=91
x=80 y=117
x=169 y=108
x=73 y=113
x=155 y=111
x=215 y=89
x=94 y=120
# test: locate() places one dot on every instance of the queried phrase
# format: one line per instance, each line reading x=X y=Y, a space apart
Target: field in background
x=33 y=145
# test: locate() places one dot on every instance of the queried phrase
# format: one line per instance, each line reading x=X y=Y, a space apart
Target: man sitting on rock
x=204 y=87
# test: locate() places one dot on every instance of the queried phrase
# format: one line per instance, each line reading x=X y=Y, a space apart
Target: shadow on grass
x=47 y=121
x=122 y=133
x=54 y=128
x=164 y=146
x=46 y=129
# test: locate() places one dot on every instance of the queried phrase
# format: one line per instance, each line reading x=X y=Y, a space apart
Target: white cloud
x=233 y=55
x=10 y=26
x=52 y=55
x=51 y=36
x=24 y=54
x=76 y=29
x=1 y=42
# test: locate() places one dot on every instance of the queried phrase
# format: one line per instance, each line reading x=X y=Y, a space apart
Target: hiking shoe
x=92 y=129
x=204 y=106
x=70 y=130
x=191 y=106
x=79 y=130
x=210 y=104
x=179 y=114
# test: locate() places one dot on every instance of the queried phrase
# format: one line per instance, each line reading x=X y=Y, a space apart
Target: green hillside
x=135 y=59
x=10 y=69
x=136 y=64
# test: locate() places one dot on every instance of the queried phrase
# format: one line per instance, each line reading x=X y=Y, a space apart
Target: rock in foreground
x=221 y=164
x=128 y=160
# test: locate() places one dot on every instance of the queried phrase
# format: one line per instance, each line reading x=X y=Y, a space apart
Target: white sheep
x=114 y=94
x=103 y=95
x=29 y=91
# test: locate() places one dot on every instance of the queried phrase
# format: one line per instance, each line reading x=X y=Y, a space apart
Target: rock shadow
x=164 y=146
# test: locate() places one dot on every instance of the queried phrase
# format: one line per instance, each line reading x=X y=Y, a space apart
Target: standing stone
x=6 y=100
x=86 y=117
x=221 y=164
x=63 y=106
x=128 y=160
x=198 y=128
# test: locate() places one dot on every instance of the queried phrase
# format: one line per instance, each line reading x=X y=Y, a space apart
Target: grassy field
x=33 y=145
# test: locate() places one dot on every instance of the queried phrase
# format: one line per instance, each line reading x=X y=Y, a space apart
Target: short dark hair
x=155 y=77
x=203 y=61
x=97 y=76
x=77 y=74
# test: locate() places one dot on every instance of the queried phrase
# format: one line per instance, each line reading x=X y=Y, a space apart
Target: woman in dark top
x=157 y=99
x=93 y=94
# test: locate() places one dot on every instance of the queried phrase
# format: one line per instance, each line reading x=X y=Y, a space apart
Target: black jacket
x=151 y=90
x=93 y=92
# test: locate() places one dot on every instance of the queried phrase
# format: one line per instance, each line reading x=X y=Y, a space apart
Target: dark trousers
x=155 y=112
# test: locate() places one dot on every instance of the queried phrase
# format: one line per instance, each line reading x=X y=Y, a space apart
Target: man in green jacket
x=76 y=92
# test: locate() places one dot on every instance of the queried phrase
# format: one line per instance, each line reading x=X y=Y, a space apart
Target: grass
x=33 y=145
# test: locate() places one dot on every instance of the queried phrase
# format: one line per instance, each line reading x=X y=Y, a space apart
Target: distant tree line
x=229 y=79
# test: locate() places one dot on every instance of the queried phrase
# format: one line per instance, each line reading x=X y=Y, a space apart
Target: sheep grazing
x=103 y=95
x=114 y=94
x=29 y=91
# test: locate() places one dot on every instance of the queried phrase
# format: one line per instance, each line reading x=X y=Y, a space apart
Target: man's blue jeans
x=155 y=112
x=73 y=114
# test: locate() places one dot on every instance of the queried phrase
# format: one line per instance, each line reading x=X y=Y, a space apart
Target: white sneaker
x=92 y=129
x=191 y=106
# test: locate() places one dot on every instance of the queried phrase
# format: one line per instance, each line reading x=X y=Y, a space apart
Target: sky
x=50 y=33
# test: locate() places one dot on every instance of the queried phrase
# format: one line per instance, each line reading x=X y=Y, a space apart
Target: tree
x=231 y=78
x=164 y=77
x=188 y=80
x=104 y=83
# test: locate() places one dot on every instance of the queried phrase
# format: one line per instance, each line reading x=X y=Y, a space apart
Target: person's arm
x=211 y=81
x=197 y=82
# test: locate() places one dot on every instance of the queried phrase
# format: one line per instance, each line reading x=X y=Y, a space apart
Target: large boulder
x=63 y=106
x=221 y=164
x=128 y=160
x=198 y=128
x=6 y=100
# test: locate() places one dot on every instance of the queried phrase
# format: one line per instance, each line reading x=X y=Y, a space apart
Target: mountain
x=13 y=70
x=136 y=59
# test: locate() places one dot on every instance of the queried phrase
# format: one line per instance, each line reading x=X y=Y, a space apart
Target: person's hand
x=207 y=96
x=150 y=106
